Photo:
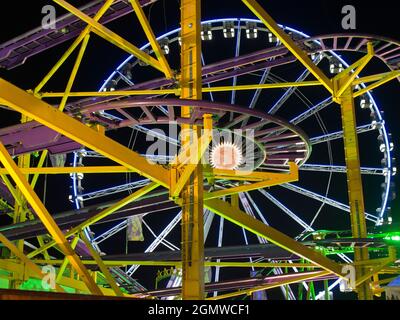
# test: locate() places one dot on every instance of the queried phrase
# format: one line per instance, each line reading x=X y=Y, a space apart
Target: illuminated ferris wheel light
x=226 y=155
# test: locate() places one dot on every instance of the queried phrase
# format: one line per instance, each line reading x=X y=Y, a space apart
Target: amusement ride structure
x=231 y=171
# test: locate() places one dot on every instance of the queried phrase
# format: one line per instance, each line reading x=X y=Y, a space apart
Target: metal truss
x=340 y=169
x=340 y=134
x=323 y=199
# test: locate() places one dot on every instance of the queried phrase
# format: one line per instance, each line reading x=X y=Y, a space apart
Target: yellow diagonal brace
x=151 y=37
x=110 y=36
x=273 y=180
x=40 y=111
x=71 y=49
x=103 y=268
x=356 y=64
x=24 y=259
x=74 y=72
x=10 y=187
x=65 y=261
x=178 y=264
x=288 y=43
x=101 y=215
x=376 y=77
x=389 y=77
x=46 y=218
x=373 y=271
x=255 y=226
x=40 y=164
x=349 y=79
x=191 y=161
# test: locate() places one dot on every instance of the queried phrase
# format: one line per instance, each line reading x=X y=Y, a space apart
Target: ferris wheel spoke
x=245 y=198
x=208 y=217
x=308 y=227
x=339 y=134
x=203 y=62
x=113 y=190
x=165 y=242
x=286 y=210
x=176 y=279
x=110 y=232
x=313 y=110
x=323 y=199
x=340 y=169
x=288 y=93
x=237 y=53
x=157 y=241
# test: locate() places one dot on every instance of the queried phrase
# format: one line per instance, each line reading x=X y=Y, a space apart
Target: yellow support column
x=192 y=194
x=354 y=184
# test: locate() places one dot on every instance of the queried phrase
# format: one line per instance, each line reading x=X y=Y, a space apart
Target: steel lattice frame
x=279 y=166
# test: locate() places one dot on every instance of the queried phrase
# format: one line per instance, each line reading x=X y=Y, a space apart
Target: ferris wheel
x=238 y=65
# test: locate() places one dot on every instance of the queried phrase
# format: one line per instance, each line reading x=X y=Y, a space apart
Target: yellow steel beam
x=151 y=37
x=111 y=93
x=372 y=271
x=255 y=226
x=10 y=187
x=192 y=195
x=101 y=215
x=40 y=111
x=178 y=264
x=103 y=268
x=110 y=36
x=356 y=64
x=354 y=183
x=295 y=279
x=61 y=107
x=385 y=79
x=376 y=77
x=42 y=159
x=217 y=173
x=288 y=43
x=177 y=91
x=75 y=44
x=71 y=170
x=349 y=78
x=74 y=72
x=382 y=263
x=272 y=180
x=262 y=86
x=65 y=262
x=46 y=218
x=190 y=161
x=24 y=259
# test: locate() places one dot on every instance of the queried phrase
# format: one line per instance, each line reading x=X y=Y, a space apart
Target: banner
x=135 y=229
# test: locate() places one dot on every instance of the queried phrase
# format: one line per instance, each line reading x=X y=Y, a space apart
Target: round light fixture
x=226 y=155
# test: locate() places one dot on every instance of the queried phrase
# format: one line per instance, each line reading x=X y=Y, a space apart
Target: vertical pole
x=192 y=194
x=20 y=207
x=326 y=289
x=354 y=185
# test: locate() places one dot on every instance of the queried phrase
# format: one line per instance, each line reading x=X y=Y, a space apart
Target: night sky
x=311 y=17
